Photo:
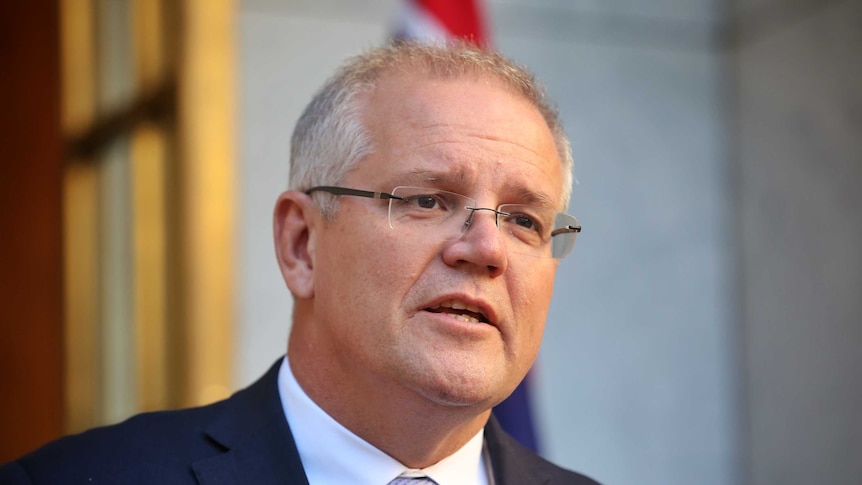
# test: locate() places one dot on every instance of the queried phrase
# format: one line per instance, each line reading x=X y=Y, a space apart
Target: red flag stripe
x=460 y=17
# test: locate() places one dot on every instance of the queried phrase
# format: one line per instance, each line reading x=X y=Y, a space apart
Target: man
x=419 y=240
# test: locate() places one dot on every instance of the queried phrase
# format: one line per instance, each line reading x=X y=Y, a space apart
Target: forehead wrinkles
x=447 y=137
x=464 y=177
x=410 y=118
x=515 y=158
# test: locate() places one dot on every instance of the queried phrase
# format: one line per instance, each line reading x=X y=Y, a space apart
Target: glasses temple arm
x=565 y=230
x=345 y=191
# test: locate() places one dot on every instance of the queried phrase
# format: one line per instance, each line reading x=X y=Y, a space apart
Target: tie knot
x=412 y=481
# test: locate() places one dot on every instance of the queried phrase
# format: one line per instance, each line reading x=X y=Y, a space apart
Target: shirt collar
x=331 y=453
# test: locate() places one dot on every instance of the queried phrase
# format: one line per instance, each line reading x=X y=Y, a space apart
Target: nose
x=481 y=244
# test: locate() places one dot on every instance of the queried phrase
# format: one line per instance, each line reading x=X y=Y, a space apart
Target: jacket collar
x=512 y=464
x=256 y=439
x=259 y=448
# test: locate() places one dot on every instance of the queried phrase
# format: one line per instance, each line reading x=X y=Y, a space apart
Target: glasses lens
x=563 y=235
x=538 y=231
x=528 y=227
x=528 y=230
x=420 y=210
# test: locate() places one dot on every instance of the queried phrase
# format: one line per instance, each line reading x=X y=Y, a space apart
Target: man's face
x=381 y=296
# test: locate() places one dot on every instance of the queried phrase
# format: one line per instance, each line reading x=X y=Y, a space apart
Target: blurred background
x=707 y=328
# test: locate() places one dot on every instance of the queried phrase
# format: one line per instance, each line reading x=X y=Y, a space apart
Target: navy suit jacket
x=242 y=440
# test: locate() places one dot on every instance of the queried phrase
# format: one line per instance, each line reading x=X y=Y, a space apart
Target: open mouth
x=460 y=311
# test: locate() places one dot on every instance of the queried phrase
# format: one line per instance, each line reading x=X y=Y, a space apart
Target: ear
x=293 y=222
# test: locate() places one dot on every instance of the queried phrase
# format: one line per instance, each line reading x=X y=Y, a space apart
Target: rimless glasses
x=529 y=230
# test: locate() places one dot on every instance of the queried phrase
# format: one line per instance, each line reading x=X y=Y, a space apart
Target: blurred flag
x=516 y=416
x=437 y=21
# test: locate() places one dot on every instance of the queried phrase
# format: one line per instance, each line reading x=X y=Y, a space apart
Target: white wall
x=285 y=54
x=636 y=376
x=798 y=74
x=638 y=382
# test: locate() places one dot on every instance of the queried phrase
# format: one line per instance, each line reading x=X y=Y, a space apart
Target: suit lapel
x=258 y=446
x=257 y=442
x=511 y=463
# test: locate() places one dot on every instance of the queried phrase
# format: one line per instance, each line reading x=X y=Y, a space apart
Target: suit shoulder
x=142 y=449
x=562 y=475
x=513 y=463
x=13 y=473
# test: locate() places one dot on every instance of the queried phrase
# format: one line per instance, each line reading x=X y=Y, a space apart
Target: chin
x=466 y=391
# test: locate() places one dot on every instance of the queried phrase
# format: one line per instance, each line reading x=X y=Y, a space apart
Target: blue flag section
x=516 y=417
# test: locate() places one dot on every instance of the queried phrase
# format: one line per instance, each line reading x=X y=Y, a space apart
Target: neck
x=416 y=431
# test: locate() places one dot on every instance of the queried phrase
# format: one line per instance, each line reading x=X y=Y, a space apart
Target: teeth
x=460 y=305
x=463 y=318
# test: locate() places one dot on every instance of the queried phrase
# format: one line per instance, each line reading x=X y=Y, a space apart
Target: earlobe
x=294 y=242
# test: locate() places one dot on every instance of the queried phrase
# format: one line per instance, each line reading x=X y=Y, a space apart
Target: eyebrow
x=531 y=197
x=450 y=178
x=447 y=177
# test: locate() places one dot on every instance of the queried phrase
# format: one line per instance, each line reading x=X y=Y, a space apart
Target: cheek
x=367 y=270
x=531 y=281
x=531 y=296
x=396 y=258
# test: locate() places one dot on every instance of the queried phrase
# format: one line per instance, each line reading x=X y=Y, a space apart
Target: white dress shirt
x=332 y=454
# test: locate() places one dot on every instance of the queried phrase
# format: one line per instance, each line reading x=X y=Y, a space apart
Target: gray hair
x=330 y=137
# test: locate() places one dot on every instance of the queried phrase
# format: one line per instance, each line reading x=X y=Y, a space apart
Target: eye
x=527 y=222
x=524 y=221
x=439 y=201
x=425 y=201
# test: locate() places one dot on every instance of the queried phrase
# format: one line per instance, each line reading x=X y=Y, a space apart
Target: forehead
x=458 y=133
x=409 y=85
